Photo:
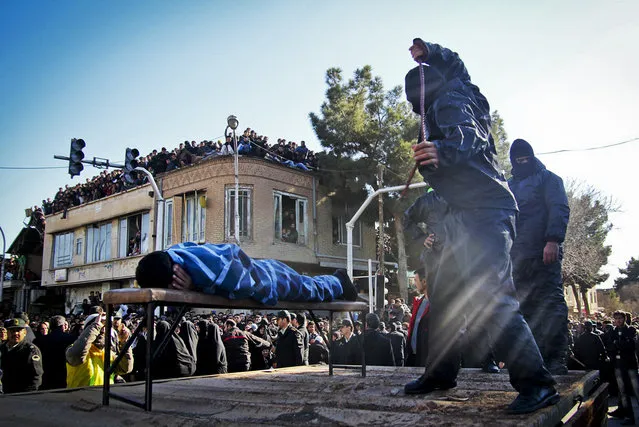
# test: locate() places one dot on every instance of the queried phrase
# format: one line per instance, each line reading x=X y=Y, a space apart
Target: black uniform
x=589 y=350
x=237 y=350
x=238 y=346
x=347 y=352
x=474 y=274
x=543 y=217
x=398 y=341
x=289 y=348
x=21 y=367
x=378 y=349
x=53 y=348
x=317 y=353
x=620 y=346
x=429 y=209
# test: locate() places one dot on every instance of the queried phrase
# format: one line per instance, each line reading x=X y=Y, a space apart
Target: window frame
x=69 y=241
x=90 y=242
x=78 y=246
x=195 y=229
x=342 y=232
x=123 y=229
x=229 y=215
x=277 y=217
x=168 y=223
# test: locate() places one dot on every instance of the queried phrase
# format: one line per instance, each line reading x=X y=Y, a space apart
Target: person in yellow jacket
x=85 y=357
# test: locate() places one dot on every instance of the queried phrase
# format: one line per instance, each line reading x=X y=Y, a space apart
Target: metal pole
x=236 y=201
x=351 y=224
x=349 y=248
x=159 y=203
x=148 y=378
x=380 y=213
x=371 y=299
x=4 y=250
x=107 y=355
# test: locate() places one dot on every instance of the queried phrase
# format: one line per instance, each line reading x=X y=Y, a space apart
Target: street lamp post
x=159 y=209
x=233 y=123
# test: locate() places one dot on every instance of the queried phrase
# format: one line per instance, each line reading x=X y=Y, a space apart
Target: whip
x=424 y=132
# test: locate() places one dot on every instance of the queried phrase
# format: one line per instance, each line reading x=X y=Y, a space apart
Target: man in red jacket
x=417 y=342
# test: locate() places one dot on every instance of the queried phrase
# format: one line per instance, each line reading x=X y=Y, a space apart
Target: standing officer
x=289 y=346
x=378 y=349
x=456 y=155
x=537 y=253
x=20 y=360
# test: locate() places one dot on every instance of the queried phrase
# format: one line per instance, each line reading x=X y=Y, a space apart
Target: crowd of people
x=611 y=346
x=287 y=153
x=49 y=353
x=59 y=351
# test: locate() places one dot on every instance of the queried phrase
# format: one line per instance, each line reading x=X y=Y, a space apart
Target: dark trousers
x=476 y=351
x=474 y=280
x=541 y=294
x=628 y=384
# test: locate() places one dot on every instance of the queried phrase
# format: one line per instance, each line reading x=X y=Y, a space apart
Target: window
x=63 y=250
x=290 y=218
x=168 y=223
x=98 y=242
x=133 y=238
x=244 y=209
x=339 y=228
x=193 y=217
x=78 y=246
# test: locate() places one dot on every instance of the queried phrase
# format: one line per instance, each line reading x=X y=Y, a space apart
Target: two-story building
x=571 y=301
x=283 y=214
x=21 y=285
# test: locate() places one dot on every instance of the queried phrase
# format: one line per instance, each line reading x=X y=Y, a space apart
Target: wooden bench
x=152 y=298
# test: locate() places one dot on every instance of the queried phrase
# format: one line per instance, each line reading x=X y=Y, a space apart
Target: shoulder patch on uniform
x=35 y=358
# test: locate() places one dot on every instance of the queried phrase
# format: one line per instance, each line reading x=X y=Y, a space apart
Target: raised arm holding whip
x=474 y=277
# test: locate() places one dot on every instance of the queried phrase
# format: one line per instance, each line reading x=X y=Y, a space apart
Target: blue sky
x=148 y=74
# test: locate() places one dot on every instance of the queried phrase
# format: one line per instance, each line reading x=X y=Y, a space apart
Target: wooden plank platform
x=154 y=297
x=296 y=396
x=199 y=299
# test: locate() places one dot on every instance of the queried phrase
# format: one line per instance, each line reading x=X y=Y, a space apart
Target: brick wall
x=209 y=178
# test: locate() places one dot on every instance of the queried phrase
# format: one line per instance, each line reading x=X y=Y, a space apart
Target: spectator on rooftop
x=227 y=148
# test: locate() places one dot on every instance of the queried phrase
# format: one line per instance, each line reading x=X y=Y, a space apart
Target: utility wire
x=567 y=150
x=600 y=147
x=31 y=167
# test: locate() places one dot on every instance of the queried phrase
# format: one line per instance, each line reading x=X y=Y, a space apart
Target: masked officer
x=456 y=155
x=537 y=253
x=20 y=360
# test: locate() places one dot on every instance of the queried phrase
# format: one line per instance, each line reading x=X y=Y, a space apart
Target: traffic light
x=380 y=282
x=75 y=157
x=130 y=163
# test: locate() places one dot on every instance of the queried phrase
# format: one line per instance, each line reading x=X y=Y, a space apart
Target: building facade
x=571 y=302
x=283 y=214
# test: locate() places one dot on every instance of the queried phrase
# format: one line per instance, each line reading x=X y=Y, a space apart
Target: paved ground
x=293 y=396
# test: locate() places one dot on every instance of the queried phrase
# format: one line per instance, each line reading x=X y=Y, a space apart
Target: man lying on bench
x=225 y=270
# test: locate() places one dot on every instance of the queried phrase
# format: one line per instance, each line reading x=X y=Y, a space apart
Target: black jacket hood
x=441 y=66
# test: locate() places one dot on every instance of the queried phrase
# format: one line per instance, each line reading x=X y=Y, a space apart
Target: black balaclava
x=521 y=148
